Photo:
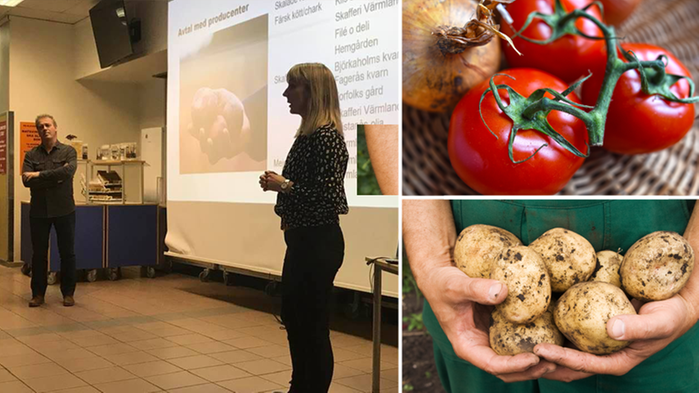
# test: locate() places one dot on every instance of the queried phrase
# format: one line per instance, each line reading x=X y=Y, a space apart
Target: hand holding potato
x=219 y=123
x=651 y=334
x=460 y=304
x=459 y=301
x=656 y=325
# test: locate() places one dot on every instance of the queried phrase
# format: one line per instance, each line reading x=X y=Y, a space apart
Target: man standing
x=48 y=171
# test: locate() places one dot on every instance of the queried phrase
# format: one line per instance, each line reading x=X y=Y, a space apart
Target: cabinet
x=106 y=236
x=109 y=182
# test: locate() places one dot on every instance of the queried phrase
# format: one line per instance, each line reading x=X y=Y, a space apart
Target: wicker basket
x=672 y=24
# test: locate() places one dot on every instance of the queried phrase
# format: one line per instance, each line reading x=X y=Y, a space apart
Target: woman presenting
x=311 y=196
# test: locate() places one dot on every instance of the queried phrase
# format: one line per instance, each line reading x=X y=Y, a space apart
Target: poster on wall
x=28 y=139
x=3 y=144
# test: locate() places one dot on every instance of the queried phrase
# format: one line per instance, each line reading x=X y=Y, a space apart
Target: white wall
x=45 y=60
x=4 y=65
x=84 y=50
x=152 y=106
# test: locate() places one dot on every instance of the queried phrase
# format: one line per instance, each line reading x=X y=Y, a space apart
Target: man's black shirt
x=52 y=191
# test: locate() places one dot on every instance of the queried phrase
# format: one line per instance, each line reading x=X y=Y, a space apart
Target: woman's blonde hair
x=324 y=107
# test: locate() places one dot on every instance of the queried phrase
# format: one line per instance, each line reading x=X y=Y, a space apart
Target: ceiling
x=73 y=11
x=62 y=11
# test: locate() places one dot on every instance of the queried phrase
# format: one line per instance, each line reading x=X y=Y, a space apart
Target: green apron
x=608 y=225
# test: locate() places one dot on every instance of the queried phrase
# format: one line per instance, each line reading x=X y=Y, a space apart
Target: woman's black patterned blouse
x=316 y=164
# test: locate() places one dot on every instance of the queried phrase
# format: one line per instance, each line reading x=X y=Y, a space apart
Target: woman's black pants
x=313 y=257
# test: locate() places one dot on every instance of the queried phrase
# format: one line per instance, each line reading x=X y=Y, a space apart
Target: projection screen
x=227 y=61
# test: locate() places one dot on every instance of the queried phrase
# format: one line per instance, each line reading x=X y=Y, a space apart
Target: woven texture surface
x=672 y=24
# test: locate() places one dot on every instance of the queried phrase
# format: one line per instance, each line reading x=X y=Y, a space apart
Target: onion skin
x=432 y=80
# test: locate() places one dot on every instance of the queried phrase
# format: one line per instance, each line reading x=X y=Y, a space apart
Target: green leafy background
x=366 y=180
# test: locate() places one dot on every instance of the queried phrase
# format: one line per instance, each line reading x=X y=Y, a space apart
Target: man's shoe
x=68 y=301
x=36 y=301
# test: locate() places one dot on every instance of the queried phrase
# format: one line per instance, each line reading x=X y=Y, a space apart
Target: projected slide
x=223 y=116
x=228 y=121
x=227 y=118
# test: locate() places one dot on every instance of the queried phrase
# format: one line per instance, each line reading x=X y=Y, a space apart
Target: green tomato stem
x=596 y=118
x=546 y=104
x=531 y=112
x=656 y=64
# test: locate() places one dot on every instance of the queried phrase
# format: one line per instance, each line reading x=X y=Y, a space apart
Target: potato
x=528 y=284
x=507 y=338
x=657 y=266
x=581 y=314
x=607 y=270
x=478 y=246
x=569 y=257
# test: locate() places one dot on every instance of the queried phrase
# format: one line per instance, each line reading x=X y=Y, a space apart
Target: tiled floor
x=171 y=334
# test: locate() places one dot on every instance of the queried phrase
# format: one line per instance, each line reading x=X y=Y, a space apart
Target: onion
x=436 y=72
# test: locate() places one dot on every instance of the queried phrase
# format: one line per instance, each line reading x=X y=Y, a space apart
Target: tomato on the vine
x=637 y=122
x=481 y=159
x=568 y=57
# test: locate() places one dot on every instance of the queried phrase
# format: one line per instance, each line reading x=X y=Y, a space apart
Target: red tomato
x=616 y=11
x=637 y=122
x=482 y=160
x=569 y=57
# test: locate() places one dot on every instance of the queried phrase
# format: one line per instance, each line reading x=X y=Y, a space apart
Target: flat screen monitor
x=111 y=30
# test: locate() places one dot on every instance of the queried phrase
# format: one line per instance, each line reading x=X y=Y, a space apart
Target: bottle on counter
x=131 y=153
x=104 y=153
x=115 y=152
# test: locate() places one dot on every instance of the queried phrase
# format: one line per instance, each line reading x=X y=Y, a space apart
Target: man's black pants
x=65 y=233
x=313 y=257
